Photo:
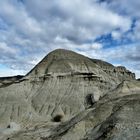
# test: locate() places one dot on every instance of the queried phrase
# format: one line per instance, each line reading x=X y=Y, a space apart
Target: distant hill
x=4 y=81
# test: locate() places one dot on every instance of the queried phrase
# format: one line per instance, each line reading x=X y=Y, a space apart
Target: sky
x=101 y=29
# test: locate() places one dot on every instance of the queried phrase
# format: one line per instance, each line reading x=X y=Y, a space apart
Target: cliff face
x=120 y=72
x=69 y=96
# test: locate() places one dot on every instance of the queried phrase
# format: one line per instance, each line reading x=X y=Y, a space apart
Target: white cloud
x=42 y=21
x=96 y=46
x=5 y=49
x=89 y=21
x=137 y=72
x=116 y=35
x=36 y=27
x=136 y=33
x=129 y=8
x=9 y=72
x=126 y=7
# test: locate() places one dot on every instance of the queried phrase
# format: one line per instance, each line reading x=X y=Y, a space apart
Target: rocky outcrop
x=6 y=81
x=120 y=72
x=69 y=96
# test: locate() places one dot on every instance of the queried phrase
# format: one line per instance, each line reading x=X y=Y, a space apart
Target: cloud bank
x=101 y=29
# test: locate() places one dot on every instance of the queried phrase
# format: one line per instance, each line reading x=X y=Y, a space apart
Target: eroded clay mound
x=67 y=96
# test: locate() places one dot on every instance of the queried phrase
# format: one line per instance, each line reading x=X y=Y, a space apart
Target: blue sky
x=101 y=29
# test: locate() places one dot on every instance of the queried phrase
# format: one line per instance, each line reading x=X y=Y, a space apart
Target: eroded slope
x=60 y=90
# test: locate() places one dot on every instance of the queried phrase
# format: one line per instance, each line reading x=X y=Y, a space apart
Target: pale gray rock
x=6 y=81
x=68 y=96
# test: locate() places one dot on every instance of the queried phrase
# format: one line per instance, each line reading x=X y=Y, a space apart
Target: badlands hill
x=68 y=96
